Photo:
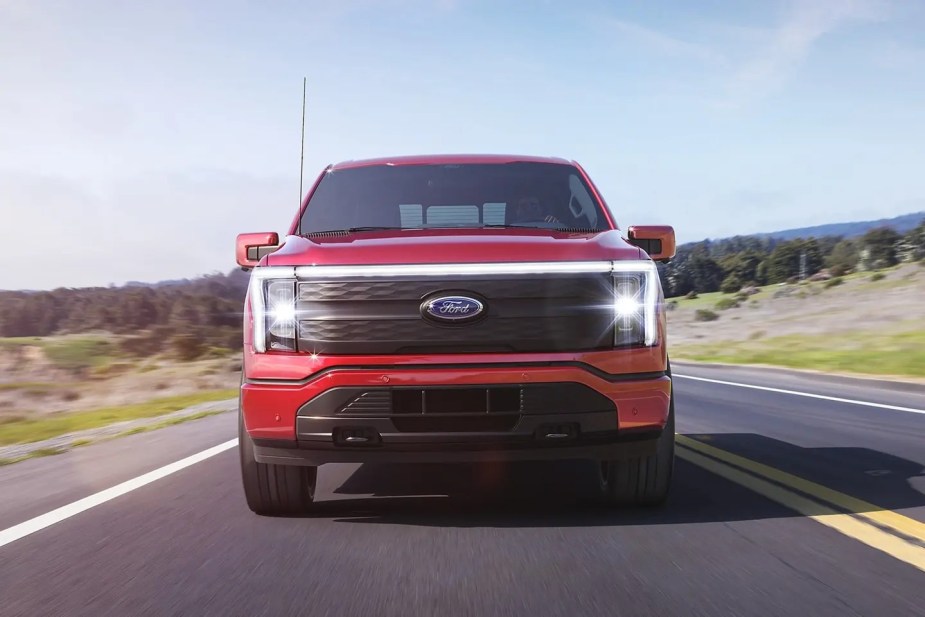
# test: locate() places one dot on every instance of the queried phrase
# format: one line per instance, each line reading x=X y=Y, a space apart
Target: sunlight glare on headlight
x=283 y=311
x=626 y=306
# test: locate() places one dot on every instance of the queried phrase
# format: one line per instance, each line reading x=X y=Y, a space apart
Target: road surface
x=782 y=504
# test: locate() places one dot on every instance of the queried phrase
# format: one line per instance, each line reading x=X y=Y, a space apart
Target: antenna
x=302 y=154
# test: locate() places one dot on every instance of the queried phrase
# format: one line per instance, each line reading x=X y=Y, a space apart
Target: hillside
x=871 y=323
x=901 y=224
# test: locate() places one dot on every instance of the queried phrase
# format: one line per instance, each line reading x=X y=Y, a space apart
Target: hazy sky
x=136 y=139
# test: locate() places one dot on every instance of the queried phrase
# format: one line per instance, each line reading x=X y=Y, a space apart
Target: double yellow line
x=882 y=529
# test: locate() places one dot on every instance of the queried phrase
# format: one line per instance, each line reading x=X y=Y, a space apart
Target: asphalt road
x=504 y=540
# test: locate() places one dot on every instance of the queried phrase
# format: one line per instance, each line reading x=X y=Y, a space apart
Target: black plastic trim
x=532 y=398
x=610 y=446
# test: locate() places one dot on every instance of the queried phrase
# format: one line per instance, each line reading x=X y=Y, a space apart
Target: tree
x=912 y=246
x=843 y=258
x=706 y=274
x=743 y=265
x=879 y=248
x=786 y=259
x=731 y=284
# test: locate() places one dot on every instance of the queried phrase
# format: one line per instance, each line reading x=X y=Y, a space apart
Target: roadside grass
x=77 y=443
x=34 y=454
x=37 y=428
x=19 y=341
x=80 y=353
x=900 y=353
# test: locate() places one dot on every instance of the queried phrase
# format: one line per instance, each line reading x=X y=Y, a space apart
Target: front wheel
x=274 y=490
x=642 y=480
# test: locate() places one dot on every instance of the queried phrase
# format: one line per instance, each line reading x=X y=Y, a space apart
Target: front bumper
x=368 y=414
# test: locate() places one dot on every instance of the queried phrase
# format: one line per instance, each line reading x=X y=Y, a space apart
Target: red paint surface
x=262 y=403
x=430 y=246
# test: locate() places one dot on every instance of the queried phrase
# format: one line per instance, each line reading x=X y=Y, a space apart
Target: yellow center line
x=877 y=514
x=846 y=524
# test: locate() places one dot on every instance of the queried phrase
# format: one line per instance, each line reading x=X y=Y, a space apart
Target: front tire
x=274 y=490
x=641 y=480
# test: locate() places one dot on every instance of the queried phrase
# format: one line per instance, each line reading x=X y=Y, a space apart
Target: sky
x=138 y=139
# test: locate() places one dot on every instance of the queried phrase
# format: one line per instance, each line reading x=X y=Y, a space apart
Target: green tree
x=912 y=247
x=706 y=274
x=743 y=266
x=785 y=260
x=843 y=258
x=731 y=284
x=879 y=248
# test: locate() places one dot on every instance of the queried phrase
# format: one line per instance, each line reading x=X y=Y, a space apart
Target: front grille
x=536 y=313
x=500 y=399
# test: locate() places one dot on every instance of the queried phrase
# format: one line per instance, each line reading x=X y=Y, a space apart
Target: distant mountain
x=901 y=224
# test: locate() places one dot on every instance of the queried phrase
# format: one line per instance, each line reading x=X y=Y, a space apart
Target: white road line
x=72 y=509
x=806 y=394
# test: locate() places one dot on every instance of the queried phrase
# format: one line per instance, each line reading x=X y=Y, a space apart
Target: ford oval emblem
x=452 y=308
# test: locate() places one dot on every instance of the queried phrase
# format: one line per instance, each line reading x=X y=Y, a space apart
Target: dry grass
x=859 y=325
x=56 y=376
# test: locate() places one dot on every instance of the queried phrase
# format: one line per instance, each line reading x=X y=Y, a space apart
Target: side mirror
x=250 y=248
x=656 y=240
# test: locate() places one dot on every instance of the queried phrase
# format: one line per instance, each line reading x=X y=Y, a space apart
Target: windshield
x=541 y=195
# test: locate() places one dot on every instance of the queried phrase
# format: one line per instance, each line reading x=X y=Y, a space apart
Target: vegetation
x=705 y=315
x=185 y=318
x=727 y=303
x=731 y=264
x=36 y=428
x=874 y=352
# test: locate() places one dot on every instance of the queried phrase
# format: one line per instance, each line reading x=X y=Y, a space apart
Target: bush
x=691 y=295
x=705 y=315
x=833 y=282
x=727 y=303
x=731 y=284
x=187 y=347
x=877 y=276
x=838 y=270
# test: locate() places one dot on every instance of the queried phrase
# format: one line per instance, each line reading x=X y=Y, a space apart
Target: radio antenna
x=302 y=154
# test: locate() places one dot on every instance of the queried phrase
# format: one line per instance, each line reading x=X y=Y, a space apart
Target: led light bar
x=456 y=269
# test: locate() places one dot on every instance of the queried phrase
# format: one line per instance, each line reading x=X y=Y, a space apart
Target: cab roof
x=450 y=159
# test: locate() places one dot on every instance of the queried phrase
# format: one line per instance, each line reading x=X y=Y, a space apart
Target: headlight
x=273 y=304
x=636 y=294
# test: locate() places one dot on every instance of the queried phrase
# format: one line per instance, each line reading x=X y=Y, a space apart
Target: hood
x=430 y=246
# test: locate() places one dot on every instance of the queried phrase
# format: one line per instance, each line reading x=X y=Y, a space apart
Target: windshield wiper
x=348 y=230
x=545 y=227
x=512 y=226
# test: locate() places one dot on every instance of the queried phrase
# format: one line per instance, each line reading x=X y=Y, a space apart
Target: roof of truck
x=450 y=159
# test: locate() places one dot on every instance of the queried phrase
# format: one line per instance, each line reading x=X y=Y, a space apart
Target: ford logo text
x=453 y=308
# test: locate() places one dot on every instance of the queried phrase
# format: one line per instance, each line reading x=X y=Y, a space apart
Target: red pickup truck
x=455 y=309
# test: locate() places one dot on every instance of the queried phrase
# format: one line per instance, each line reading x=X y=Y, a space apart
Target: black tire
x=274 y=490
x=644 y=480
